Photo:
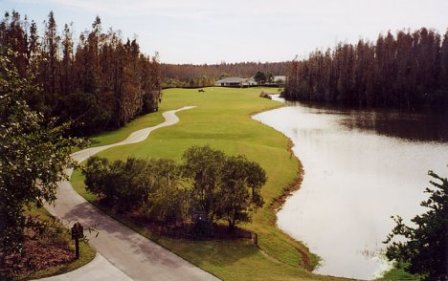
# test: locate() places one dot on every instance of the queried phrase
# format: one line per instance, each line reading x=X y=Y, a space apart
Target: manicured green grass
x=222 y=120
x=87 y=253
x=141 y=122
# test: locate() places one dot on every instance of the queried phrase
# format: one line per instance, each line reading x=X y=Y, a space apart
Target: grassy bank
x=222 y=121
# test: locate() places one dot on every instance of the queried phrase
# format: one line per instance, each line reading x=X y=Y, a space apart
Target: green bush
x=209 y=186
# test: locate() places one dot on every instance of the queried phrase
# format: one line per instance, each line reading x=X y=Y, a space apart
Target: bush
x=224 y=187
x=265 y=95
x=124 y=185
x=167 y=200
x=218 y=187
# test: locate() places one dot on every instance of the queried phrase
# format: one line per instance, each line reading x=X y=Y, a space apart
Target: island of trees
x=182 y=200
x=404 y=71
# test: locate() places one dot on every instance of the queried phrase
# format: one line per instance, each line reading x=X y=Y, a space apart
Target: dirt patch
x=41 y=255
x=278 y=202
x=43 y=248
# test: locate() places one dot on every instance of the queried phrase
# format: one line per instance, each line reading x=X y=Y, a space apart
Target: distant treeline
x=99 y=83
x=404 y=71
x=189 y=75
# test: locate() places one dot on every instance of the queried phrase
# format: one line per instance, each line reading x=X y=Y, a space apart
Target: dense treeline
x=403 y=71
x=207 y=187
x=99 y=83
x=189 y=75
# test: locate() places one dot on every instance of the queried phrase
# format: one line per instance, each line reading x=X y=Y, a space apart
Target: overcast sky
x=209 y=31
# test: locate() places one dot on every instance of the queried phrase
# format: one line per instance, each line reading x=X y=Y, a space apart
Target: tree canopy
x=403 y=71
x=33 y=156
x=260 y=77
x=100 y=83
x=189 y=75
x=208 y=182
x=424 y=249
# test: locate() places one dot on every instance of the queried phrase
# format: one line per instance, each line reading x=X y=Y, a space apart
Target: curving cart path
x=122 y=254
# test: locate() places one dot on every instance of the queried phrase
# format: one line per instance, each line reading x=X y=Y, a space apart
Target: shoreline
x=291 y=253
x=277 y=203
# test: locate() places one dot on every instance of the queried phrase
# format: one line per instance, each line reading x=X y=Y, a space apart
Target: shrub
x=217 y=187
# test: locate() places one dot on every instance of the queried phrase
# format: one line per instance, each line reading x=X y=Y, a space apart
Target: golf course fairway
x=222 y=120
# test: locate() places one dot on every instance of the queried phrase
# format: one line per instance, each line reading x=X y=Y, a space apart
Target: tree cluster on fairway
x=424 y=250
x=207 y=187
x=402 y=71
x=33 y=156
x=99 y=83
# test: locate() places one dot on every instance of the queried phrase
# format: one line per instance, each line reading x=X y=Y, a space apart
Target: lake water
x=361 y=167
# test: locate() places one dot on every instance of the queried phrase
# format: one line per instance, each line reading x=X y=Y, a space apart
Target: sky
x=210 y=31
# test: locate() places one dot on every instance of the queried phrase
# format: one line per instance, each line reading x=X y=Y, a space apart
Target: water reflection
x=424 y=125
x=361 y=167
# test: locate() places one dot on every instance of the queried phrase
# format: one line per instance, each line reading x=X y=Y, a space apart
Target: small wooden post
x=254 y=238
x=77 y=233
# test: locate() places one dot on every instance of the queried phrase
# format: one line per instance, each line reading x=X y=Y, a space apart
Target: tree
x=210 y=186
x=96 y=172
x=49 y=71
x=124 y=185
x=67 y=62
x=112 y=79
x=204 y=166
x=425 y=248
x=239 y=192
x=33 y=157
x=406 y=71
x=260 y=77
x=224 y=187
x=168 y=201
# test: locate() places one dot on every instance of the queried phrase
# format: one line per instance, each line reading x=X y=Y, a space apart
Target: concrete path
x=122 y=253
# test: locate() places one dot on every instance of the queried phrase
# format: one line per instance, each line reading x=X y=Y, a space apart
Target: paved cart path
x=122 y=254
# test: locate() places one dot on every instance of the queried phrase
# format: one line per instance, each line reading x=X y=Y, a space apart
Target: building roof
x=279 y=77
x=231 y=80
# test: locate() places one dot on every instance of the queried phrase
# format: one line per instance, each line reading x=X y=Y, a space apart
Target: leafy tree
x=130 y=183
x=168 y=201
x=424 y=250
x=33 y=156
x=224 y=187
x=96 y=172
x=260 y=77
x=204 y=166
x=239 y=192
x=123 y=184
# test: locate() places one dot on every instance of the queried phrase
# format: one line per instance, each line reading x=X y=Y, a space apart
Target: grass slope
x=222 y=121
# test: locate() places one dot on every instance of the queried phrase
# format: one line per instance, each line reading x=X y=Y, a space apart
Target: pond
x=361 y=167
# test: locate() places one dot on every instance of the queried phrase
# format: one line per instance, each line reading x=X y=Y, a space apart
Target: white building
x=236 y=82
x=279 y=79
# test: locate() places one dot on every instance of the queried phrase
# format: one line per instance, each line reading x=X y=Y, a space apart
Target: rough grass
x=222 y=121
